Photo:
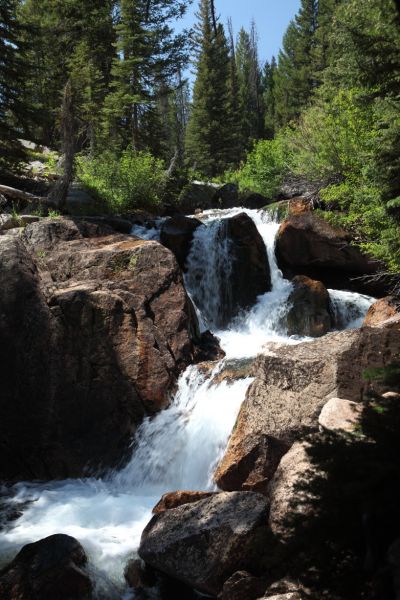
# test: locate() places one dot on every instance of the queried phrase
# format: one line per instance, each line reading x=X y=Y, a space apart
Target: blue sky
x=271 y=17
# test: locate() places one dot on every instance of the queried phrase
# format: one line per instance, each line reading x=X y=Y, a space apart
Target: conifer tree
x=235 y=113
x=295 y=75
x=269 y=98
x=149 y=55
x=208 y=141
x=12 y=71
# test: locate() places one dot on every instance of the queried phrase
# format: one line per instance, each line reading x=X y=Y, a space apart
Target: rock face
x=294 y=469
x=250 y=274
x=309 y=245
x=95 y=329
x=48 y=569
x=177 y=234
x=309 y=313
x=292 y=385
x=175 y=499
x=383 y=313
x=204 y=543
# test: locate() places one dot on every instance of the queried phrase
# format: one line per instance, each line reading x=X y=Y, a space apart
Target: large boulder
x=308 y=245
x=95 y=329
x=250 y=273
x=175 y=499
x=309 y=312
x=177 y=234
x=204 y=543
x=292 y=385
x=198 y=195
x=48 y=569
x=384 y=313
x=243 y=586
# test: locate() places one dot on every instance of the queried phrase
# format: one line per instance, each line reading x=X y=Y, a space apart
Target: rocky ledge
x=96 y=327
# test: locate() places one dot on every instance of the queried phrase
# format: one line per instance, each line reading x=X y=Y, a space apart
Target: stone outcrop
x=243 y=586
x=384 y=313
x=204 y=543
x=175 y=499
x=309 y=314
x=48 y=569
x=177 y=234
x=288 y=493
x=308 y=245
x=250 y=273
x=292 y=385
x=339 y=414
x=95 y=328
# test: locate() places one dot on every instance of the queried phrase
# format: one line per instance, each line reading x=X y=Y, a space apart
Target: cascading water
x=180 y=447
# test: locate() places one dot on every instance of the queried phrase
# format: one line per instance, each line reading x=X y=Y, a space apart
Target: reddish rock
x=384 y=313
x=48 y=569
x=202 y=544
x=309 y=314
x=308 y=245
x=96 y=327
x=175 y=499
x=292 y=385
x=299 y=205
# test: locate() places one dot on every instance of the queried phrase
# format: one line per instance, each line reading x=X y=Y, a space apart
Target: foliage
x=264 y=168
x=124 y=182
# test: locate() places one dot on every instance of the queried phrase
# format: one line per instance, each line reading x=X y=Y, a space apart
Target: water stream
x=180 y=447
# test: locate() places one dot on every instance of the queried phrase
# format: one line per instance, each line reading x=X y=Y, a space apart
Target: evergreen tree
x=295 y=76
x=12 y=72
x=249 y=86
x=208 y=141
x=235 y=113
x=149 y=55
x=269 y=98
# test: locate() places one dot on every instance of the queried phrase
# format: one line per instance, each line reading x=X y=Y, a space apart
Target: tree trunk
x=59 y=193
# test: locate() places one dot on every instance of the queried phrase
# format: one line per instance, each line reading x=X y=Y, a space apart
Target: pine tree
x=269 y=98
x=149 y=55
x=235 y=113
x=208 y=141
x=12 y=71
x=249 y=86
x=295 y=76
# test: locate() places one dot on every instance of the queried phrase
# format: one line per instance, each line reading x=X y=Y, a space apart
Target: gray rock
x=339 y=414
x=204 y=543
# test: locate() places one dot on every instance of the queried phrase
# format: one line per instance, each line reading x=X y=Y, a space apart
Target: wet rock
x=177 y=234
x=394 y=562
x=204 y=543
x=309 y=314
x=250 y=272
x=235 y=369
x=384 y=312
x=207 y=348
x=198 y=194
x=48 y=569
x=96 y=328
x=284 y=402
x=254 y=201
x=340 y=415
x=299 y=204
x=175 y=499
x=227 y=196
x=138 y=576
x=308 y=245
x=243 y=586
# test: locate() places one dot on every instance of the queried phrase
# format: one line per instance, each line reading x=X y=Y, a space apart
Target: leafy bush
x=124 y=182
x=264 y=168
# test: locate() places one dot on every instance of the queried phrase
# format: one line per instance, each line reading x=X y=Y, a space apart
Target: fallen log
x=16 y=194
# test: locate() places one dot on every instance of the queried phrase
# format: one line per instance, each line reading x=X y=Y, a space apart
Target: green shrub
x=124 y=182
x=264 y=168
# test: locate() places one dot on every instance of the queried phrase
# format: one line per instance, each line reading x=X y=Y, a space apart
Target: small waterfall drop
x=179 y=447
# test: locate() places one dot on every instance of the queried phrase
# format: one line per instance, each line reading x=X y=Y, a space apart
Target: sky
x=271 y=17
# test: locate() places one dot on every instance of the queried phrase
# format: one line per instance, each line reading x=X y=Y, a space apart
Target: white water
x=180 y=447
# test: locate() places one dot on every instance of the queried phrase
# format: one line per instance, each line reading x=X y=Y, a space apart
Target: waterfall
x=179 y=447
